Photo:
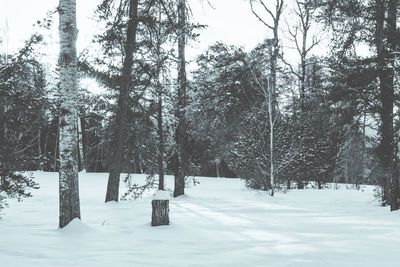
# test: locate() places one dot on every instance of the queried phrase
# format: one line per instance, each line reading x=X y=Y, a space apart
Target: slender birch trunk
x=271 y=137
x=68 y=155
x=272 y=23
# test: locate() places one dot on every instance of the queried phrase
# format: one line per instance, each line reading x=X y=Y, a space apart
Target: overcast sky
x=230 y=21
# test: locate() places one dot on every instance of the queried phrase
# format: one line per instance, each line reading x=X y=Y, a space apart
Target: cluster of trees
x=250 y=114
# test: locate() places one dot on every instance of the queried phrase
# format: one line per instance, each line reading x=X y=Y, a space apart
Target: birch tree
x=68 y=156
x=272 y=20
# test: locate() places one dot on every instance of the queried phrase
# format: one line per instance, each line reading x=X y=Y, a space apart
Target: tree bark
x=271 y=136
x=385 y=74
x=160 y=141
x=389 y=101
x=56 y=145
x=180 y=133
x=68 y=155
x=159 y=87
x=160 y=212
x=119 y=128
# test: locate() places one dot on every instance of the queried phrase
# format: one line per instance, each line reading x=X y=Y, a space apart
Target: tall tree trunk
x=68 y=172
x=380 y=18
x=274 y=17
x=56 y=145
x=385 y=72
x=180 y=134
x=388 y=100
x=363 y=149
x=271 y=137
x=119 y=128
x=160 y=143
x=159 y=87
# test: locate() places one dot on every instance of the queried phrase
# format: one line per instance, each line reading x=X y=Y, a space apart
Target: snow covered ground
x=218 y=223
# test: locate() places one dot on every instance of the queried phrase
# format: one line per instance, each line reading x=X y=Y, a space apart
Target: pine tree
x=181 y=131
x=125 y=87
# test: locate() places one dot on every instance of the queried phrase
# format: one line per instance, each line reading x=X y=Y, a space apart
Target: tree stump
x=160 y=207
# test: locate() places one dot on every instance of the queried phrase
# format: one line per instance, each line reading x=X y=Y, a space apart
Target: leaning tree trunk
x=119 y=128
x=180 y=113
x=68 y=155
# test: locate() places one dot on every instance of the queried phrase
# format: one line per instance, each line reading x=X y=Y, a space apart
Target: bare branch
x=258 y=17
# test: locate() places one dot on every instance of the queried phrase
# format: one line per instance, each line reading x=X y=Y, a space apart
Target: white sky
x=230 y=21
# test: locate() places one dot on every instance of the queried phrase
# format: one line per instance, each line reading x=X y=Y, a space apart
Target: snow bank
x=76 y=226
x=220 y=223
x=161 y=195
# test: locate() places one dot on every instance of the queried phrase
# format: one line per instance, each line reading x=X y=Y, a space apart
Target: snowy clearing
x=218 y=223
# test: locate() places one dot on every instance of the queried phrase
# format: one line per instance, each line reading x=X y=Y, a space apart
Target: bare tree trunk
x=160 y=144
x=68 y=172
x=273 y=15
x=272 y=171
x=305 y=23
x=388 y=101
x=271 y=137
x=119 y=128
x=180 y=134
x=160 y=133
x=56 y=146
x=386 y=90
x=217 y=161
x=363 y=151
x=40 y=153
x=46 y=140
x=159 y=88
x=80 y=146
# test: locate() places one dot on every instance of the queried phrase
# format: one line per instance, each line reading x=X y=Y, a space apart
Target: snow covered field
x=218 y=223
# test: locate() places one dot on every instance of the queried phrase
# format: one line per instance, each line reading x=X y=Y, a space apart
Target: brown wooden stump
x=160 y=214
